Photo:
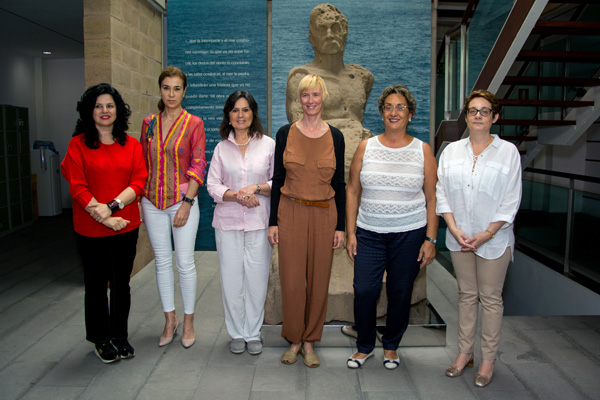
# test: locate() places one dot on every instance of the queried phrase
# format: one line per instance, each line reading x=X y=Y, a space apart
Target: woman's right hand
x=99 y=211
x=351 y=245
x=115 y=223
x=273 y=235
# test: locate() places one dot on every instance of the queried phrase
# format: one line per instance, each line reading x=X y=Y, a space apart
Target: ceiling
x=34 y=26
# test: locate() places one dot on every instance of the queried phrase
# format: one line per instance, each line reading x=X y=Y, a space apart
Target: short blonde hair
x=311 y=81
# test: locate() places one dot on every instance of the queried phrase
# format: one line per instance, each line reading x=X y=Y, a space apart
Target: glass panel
x=542 y=218
x=487 y=22
x=585 y=235
x=455 y=84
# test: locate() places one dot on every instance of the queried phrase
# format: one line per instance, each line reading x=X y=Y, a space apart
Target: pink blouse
x=229 y=170
x=174 y=161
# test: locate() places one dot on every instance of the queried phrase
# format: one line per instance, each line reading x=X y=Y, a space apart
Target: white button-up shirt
x=229 y=170
x=479 y=193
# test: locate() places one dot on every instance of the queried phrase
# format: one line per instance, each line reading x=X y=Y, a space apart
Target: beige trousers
x=480 y=279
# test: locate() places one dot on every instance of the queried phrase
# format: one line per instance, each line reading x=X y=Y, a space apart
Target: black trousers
x=377 y=253
x=107 y=259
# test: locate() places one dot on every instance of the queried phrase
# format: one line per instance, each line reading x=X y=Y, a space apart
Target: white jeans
x=244 y=263
x=159 y=224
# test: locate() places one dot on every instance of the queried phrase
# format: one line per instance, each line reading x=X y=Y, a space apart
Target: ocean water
x=221 y=46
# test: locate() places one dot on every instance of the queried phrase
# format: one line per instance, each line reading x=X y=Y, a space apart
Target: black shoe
x=106 y=352
x=124 y=348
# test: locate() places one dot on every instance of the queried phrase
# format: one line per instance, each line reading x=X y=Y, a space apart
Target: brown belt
x=310 y=203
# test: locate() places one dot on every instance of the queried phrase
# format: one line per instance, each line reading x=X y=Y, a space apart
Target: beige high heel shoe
x=163 y=341
x=453 y=371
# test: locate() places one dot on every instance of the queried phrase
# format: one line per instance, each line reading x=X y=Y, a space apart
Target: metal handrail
x=567 y=175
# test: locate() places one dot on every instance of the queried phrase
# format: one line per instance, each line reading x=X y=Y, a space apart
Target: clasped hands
x=102 y=214
x=470 y=243
x=246 y=197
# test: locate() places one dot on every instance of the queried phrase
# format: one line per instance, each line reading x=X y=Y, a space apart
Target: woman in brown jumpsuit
x=307 y=218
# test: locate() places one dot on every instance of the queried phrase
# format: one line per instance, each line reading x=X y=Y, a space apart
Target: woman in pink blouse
x=239 y=180
x=174 y=144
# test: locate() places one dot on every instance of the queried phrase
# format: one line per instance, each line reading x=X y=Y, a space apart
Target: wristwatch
x=115 y=205
x=432 y=240
x=188 y=200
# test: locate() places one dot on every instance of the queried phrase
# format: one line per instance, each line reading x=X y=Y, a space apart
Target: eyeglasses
x=484 y=111
x=399 y=107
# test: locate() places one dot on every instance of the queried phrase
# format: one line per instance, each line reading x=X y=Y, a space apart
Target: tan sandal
x=289 y=357
x=310 y=360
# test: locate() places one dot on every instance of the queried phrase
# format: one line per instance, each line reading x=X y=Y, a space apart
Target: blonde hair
x=311 y=81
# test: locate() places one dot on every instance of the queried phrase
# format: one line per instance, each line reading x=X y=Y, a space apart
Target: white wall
x=63 y=85
x=50 y=90
x=532 y=288
x=17 y=73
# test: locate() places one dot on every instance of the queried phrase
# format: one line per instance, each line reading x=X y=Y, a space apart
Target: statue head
x=328 y=29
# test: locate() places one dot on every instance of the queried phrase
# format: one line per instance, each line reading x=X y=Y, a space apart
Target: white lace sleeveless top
x=392 y=188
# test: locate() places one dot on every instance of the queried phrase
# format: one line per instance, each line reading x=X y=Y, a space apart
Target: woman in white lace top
x=393 y=177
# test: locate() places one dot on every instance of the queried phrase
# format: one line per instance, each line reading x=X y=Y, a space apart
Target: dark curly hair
x=255 y=127
x=86 y=125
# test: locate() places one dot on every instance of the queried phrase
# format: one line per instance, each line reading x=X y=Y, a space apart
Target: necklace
x=244 y=144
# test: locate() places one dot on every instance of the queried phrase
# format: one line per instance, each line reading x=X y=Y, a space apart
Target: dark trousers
x=397 y=254
x=107 y=259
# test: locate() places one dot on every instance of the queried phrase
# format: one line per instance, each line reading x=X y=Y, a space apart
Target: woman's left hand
x=426 y=254
x=338 y=239
x=181 y=216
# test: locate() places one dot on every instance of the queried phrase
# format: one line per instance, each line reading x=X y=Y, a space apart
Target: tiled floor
x=43 y=353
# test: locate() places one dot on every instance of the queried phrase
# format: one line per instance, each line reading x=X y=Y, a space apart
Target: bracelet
x=432 y=240
x=188 y=200
x=491 y=234
x=257 y=189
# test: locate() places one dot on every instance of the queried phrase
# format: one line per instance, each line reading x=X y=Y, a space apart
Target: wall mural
x=222 y=47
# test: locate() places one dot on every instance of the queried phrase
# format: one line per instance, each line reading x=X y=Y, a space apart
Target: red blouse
x=103 y=173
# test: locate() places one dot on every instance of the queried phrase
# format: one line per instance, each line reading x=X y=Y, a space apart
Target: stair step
x=535 y=122
x=559 y=56
x=545 y=103
x=566 y=28
x=550 y=81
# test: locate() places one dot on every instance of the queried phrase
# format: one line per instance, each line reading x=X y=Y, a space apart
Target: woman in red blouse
x=173 y=143
x=106 y=172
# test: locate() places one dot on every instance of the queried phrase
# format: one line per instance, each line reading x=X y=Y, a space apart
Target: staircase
x=545 y=70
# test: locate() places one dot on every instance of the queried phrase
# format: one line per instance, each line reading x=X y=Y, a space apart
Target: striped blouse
x=172 y=162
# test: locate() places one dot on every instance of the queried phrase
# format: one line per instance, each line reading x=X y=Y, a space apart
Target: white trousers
x=244 y=263
x=159 y=224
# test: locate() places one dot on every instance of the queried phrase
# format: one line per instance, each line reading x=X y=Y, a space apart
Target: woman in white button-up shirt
x=239 y=180
x=478 y=195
